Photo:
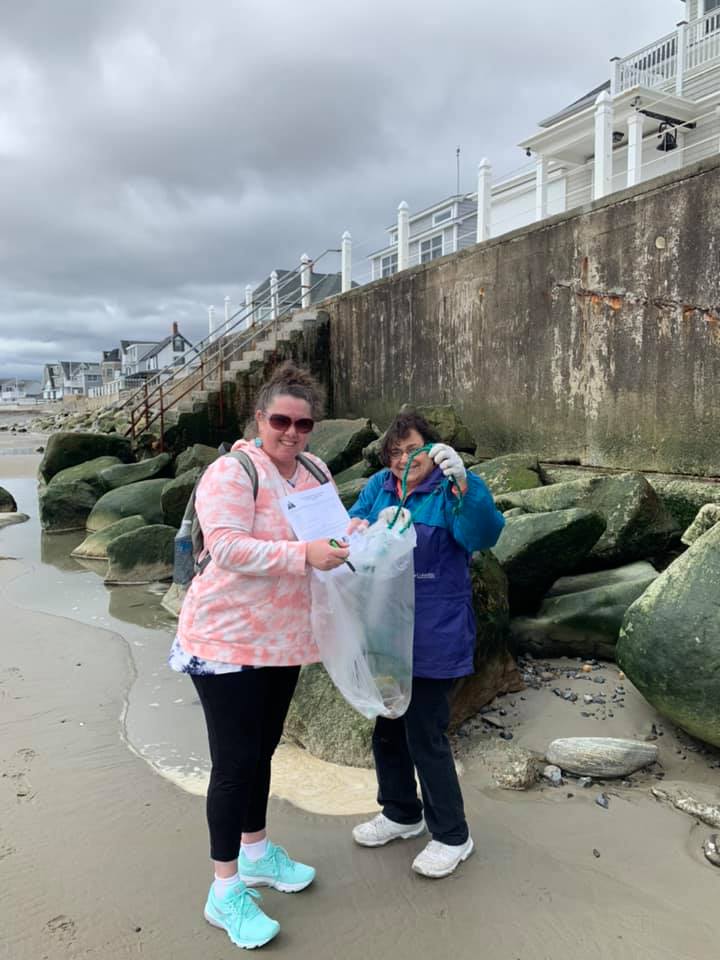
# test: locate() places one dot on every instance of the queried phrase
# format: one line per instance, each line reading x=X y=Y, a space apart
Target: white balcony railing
x=652 y=66
x=703 y=39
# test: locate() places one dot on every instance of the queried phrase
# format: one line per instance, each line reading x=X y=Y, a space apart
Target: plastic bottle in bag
x=184 y=565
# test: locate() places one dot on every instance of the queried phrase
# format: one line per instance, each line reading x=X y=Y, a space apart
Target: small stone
x=596 y=853
x=586 y=668
x=585 y=782
x=505 y=735
x=546 y=675
x=552 y=774
x=602 y=800
x=598 y=679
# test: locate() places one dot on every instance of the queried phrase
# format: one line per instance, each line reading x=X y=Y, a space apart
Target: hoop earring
x=258 y=441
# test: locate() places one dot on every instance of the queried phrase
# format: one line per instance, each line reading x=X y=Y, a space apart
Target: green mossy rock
x=358 y=471
x=638 y=526
x=669 y=644
x=125 y=473
x=66 y=506
x=66 y=449
x=684 y=498
x=350 y=491
x=176 y=494
x=340 y=442
x=89 y=472
x=707 y=517
x=94 y=547
x=141 y=498
x=144 y=555
x=537 y=548
x=585 y=620
x=198 y=455
x=516 y=471
x=7 y=501
x=323 y=723
x=448 y=424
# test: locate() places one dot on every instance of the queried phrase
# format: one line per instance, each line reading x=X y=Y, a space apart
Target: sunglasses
x=281 y=422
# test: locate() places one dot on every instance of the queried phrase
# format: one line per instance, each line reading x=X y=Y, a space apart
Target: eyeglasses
x=396 y=454
x=281 y=423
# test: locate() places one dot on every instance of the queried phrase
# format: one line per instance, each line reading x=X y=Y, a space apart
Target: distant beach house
x=658 y=111
x=139 y=358
x=69 y=378
x=286 y=290
x=15 y=390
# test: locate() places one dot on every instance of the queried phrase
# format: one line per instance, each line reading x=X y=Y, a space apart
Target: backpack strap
x=312 y=468
x=250 y=469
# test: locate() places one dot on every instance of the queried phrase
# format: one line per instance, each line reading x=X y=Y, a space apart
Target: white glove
x=387 y=515
x=449 y=462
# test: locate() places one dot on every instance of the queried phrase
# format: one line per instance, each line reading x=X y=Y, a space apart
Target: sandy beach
x=102 y=856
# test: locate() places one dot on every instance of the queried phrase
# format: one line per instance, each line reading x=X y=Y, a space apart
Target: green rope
x=446 y=484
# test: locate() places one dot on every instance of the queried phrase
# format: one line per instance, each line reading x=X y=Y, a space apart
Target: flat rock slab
x=141 y=498
x=601 y=756
x=94 y=547
x=516 y=471
x=124 y=473
x=89 y=472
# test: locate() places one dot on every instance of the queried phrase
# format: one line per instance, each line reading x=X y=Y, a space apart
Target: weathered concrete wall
x=592 y=337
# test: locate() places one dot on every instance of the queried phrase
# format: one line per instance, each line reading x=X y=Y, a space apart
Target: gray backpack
x=190 y=536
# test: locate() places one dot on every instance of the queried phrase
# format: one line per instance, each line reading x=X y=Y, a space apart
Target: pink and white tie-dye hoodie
x=251 y=604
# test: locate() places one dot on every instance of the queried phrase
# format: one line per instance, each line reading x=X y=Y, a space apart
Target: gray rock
x=601 y=756
x=697 y=800
x=711 y=849
x=66 y=506
x=516 y=471
x=630 y=572
x=89 y=472
x=537 y=548
x=340 y=442
x=350 y=491
x=683 y=498
x=444 y=418
x=125 y=473
x=637 y=524
x=552 y=774
x=358 y=471
x=94 y=546
x=175 y=495
x=9 y=519
x=513 y=768
x=198 y=455
x=669 y=643
x=707 y=517
x=144 y=555
x=141 y=498
x=67 y=449
x=7 y=501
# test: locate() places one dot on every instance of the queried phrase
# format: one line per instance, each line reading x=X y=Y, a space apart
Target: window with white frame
x=442 y=216
x=431 y=248
x=389 y=265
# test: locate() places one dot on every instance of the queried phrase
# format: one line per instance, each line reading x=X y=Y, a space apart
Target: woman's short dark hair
x=401 y=427
x=289 y=380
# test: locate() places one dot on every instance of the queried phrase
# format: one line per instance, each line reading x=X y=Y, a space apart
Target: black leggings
x=245 y=713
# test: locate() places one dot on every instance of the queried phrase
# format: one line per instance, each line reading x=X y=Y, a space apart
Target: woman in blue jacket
x=453 y=521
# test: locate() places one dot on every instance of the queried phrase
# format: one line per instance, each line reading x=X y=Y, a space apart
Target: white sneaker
x=380 y=830
x=440 y=859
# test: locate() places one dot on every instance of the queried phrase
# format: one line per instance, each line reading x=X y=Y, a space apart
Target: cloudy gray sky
x=156 y=156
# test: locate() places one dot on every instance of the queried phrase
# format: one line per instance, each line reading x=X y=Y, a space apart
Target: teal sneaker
x=239 y=915
x=275 y=869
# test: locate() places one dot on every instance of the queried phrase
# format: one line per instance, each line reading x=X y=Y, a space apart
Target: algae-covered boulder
x=448 y=424
x=66 y=506
x=198 y=455
x=176 y=494
x=350 y=491
x=340 y=442
x=89 y=472
x=323 y=723
x=581 y=616
x=141 y=498
x=516 y=471
x=7 y=501
x=358 y=471
x=94 y=546
x=537 y=548
x=707 y=517
x=67 y=449
x=638 y=526
x=144 y=555
x=669 y=643
x=495 y=670
x=125 y=473
x=684 y=498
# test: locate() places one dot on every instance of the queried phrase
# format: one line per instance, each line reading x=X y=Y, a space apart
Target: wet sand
x=100 y=857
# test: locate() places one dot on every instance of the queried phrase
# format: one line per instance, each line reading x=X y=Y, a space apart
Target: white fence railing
x=703 y=40
x=652 y=66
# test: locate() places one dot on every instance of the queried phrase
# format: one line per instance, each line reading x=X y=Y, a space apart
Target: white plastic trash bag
x=363 y=621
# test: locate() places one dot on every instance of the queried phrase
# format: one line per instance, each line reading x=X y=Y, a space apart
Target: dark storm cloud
x=156 y=157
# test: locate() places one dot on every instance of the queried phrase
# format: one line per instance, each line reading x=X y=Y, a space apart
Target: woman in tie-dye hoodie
x=243 y=634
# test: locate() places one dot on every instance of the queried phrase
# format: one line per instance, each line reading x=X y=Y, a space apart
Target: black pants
x=245 y=713
x=419 y=740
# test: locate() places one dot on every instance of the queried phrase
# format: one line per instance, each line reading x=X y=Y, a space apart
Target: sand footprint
x=17 y=770
x=62 y=928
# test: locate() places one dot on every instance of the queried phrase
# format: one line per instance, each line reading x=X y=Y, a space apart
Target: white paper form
x=316 y=513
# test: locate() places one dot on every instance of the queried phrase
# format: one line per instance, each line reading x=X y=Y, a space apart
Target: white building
x=658 y=111
x=15 y=390
x=69 y=378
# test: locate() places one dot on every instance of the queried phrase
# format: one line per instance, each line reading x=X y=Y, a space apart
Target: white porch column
x=484 y=199
x=211 y=322
x=614 y=76
x=274 y=298
x=681 y=56
x=603 y=146
x=346 y=261
x=403 y=240
x=305 y=272
x=635 y=145
x=227 y=314
x=541 y=188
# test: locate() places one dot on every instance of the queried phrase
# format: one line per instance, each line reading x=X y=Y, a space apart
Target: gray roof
x=125 y=344
x=587 y=100
x=158 y=347
x=322 y=285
